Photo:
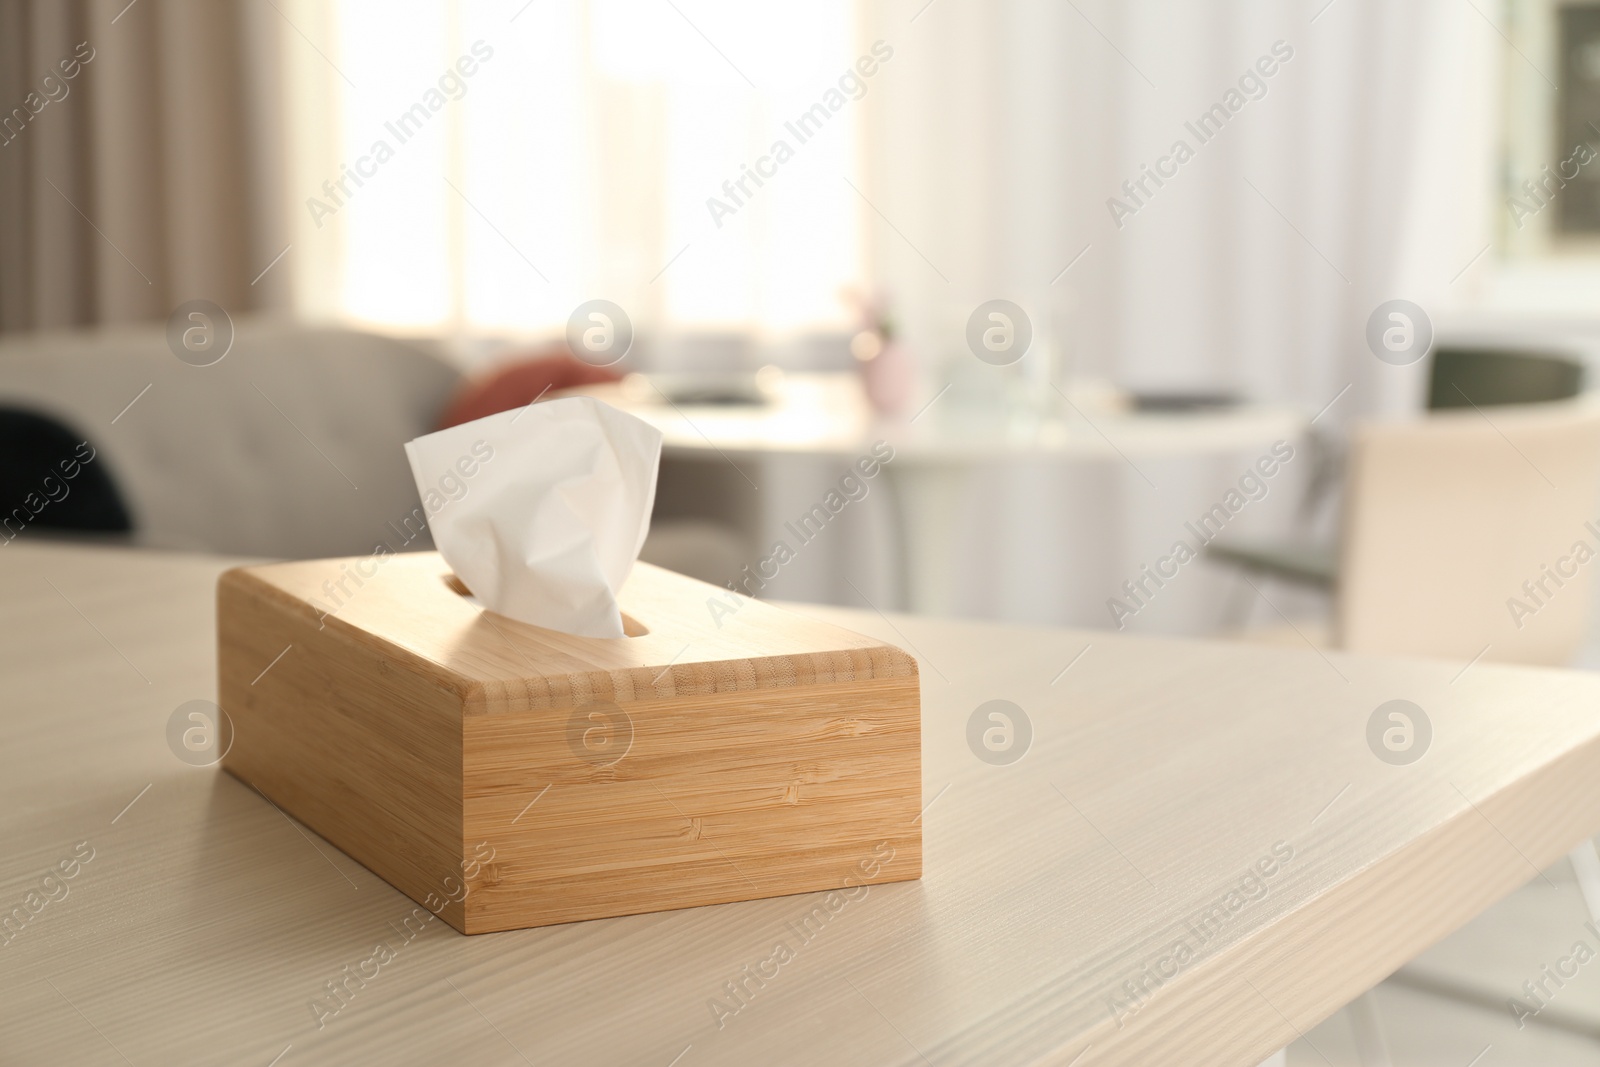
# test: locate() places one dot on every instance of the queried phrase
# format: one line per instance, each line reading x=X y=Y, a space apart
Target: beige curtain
x=130 y=176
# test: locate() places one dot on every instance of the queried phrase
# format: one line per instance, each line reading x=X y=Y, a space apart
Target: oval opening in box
x=631 y=627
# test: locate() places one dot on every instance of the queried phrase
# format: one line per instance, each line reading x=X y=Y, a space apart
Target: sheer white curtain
x=1363 y=172
x=566 y=151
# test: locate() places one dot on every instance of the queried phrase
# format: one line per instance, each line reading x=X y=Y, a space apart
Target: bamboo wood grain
x=1159 y=772
x=752 y=754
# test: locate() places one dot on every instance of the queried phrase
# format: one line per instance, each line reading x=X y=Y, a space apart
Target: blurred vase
x=888 y=377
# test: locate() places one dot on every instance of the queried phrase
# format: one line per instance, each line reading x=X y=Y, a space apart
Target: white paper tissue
x=541 y=511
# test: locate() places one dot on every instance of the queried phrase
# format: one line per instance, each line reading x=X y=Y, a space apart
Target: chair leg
x=1586 y=865
x=1371 y=1049
x=1237 y=604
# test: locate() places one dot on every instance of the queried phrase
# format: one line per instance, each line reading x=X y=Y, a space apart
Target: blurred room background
x=461 y=176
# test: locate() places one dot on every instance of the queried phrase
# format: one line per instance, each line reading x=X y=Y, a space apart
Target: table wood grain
x=1116 y=853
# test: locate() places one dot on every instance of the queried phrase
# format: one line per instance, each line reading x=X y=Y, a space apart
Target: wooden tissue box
x=505 y=776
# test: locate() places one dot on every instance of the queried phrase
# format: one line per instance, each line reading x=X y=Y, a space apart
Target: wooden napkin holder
x=506 y=776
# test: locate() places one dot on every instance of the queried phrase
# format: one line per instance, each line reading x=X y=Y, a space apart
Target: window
x=1552 y=172
x=486 y=167
x=1577 y=208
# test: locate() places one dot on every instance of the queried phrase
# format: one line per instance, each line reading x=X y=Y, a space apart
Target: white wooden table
x=1159 y=774
x=935 y=450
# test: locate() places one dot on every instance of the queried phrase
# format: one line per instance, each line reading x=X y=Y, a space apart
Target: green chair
x=1457 y=378
x=1483 y=377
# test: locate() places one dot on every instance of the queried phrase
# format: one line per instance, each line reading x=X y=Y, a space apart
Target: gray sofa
x=290 y=446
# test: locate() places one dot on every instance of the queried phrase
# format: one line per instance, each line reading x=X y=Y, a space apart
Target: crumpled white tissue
x=541 y=511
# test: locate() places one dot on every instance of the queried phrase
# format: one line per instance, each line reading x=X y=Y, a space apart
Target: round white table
x=827 y=416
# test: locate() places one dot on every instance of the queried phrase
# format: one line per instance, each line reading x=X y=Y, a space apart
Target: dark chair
x=49 y=480
x=1482 y=377
x=1457 y=378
